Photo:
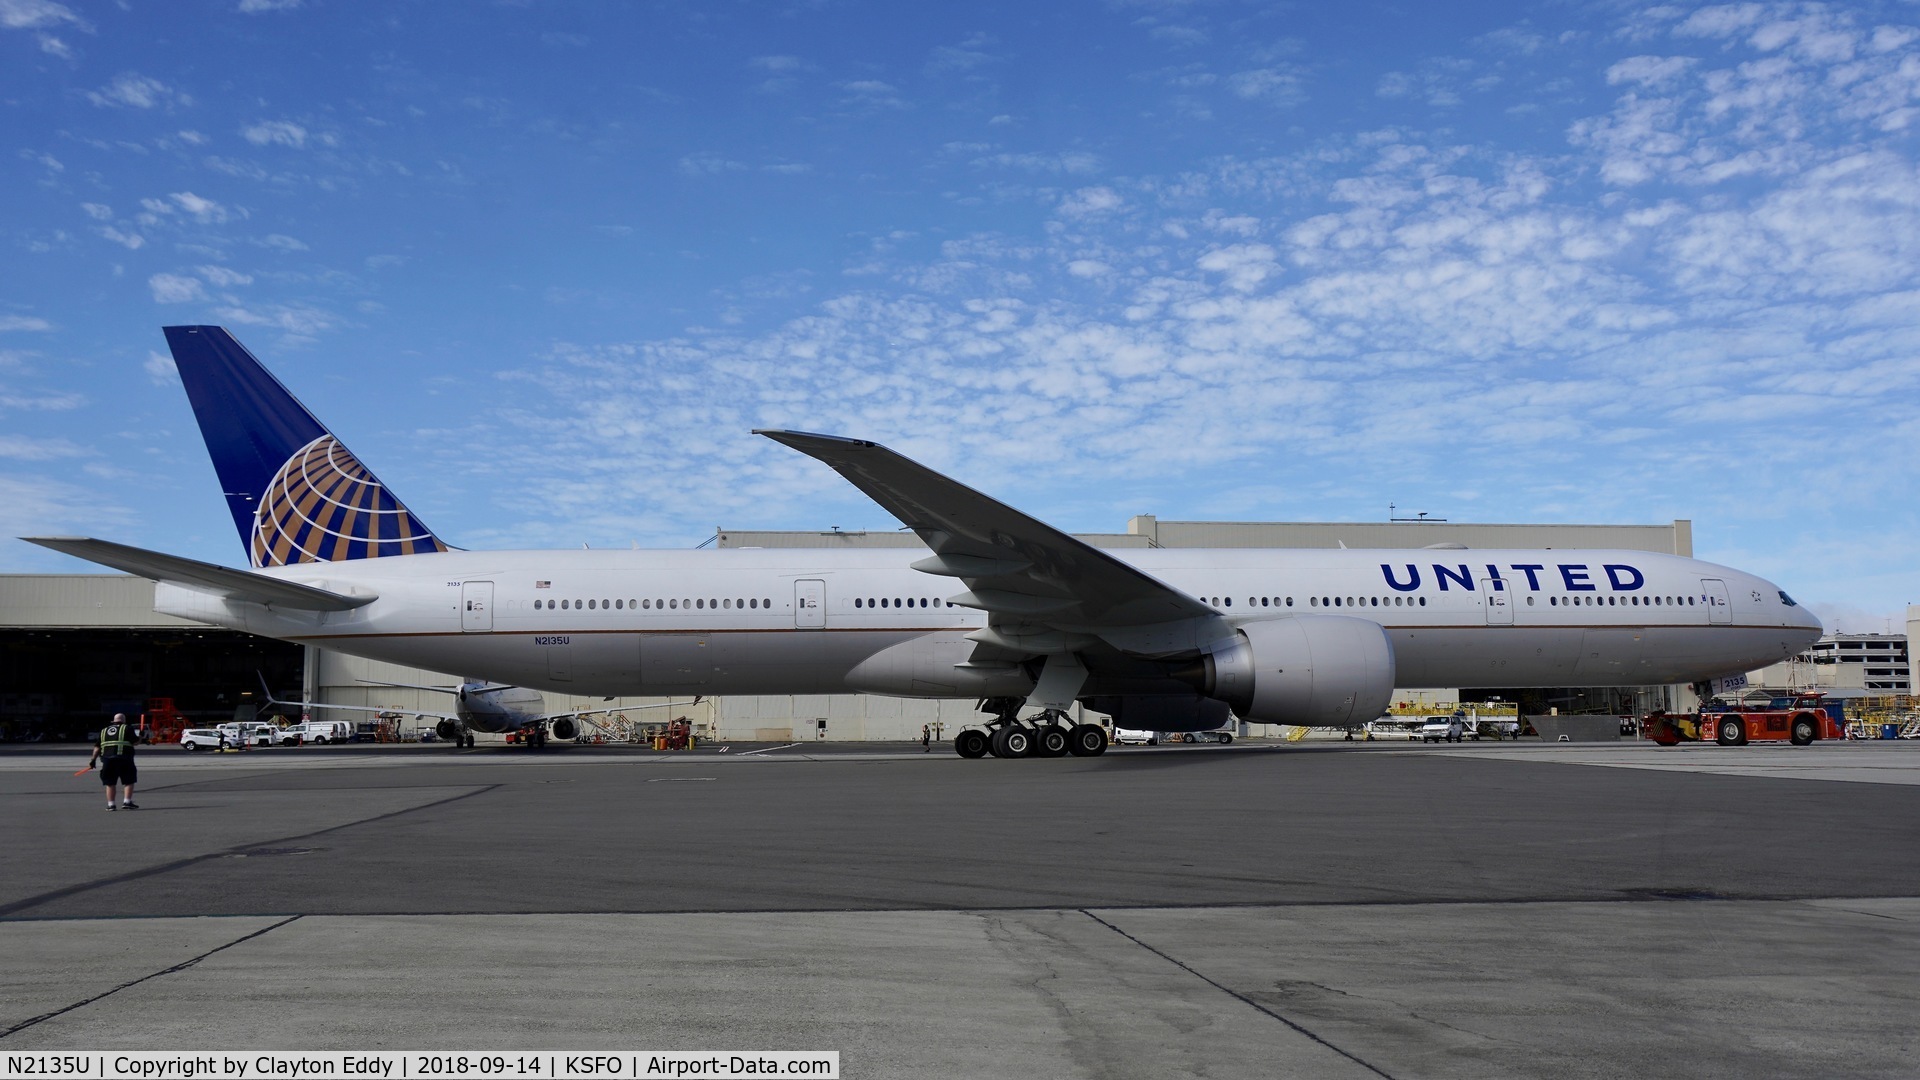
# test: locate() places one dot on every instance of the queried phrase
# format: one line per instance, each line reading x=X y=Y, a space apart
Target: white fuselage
x=801 y=621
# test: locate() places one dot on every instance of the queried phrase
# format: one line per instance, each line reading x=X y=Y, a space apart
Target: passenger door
x=1713 y=592
x=809 y=604
x=1499 y=602
x=476 y=605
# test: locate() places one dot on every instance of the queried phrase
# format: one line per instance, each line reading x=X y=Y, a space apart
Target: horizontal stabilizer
x=206 y=577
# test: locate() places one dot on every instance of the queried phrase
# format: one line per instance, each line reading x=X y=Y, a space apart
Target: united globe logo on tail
x=325 y=506
x=297 y=495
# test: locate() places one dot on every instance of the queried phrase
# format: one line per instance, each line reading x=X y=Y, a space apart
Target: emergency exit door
x=476 y=605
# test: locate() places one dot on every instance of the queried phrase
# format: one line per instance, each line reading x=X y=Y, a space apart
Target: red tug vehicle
x=1804 y=720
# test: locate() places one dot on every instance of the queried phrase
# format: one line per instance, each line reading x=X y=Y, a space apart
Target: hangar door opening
x=809 y=604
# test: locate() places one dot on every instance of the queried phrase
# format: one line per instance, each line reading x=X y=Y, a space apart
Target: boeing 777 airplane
x=1004 y=608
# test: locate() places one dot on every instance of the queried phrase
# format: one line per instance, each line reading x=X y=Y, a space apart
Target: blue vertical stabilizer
x=296 y=494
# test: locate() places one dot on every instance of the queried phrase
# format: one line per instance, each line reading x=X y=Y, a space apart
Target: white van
x=320 y=732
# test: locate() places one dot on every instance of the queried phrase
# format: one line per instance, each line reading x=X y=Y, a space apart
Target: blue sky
x=543 y=265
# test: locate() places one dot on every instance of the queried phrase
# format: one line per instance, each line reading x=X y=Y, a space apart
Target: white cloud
x=35 y=15
x=1090 y=201
x=132 y=241
x=709 y=164
x=134 y=90
x=297 y=319
x=1088 y=268
x=1068 y=162
x=270 y=132
x=98 y=211
x=27 y=448
x=175 y=288
x=53 y=46
x=1244 y=266
x=871 y=94
x=1649 y=70
x=284 y=243
x=203 y=210
x=161 y=369
x=251 y=7
x=23 y=322
x=223 y=277
x=1274 y=85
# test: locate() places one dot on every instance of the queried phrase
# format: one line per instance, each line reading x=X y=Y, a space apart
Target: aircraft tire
x=1051 y=741
x=1087 y=740
x=1010 y=741
x=970 y=744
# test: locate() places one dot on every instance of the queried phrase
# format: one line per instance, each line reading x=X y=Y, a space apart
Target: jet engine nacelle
x=1309 y=670
x=446 y=729
x=564 y=729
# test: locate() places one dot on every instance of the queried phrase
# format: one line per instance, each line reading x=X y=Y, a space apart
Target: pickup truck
x=251 y=734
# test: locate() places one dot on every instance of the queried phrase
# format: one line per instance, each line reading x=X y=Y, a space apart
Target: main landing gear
x=1048 y=734
x=455 y=733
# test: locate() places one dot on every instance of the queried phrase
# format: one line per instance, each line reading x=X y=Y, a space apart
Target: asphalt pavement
x=1254 y=910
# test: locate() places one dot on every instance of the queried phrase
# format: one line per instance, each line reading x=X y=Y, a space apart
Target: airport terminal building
x=79 y=647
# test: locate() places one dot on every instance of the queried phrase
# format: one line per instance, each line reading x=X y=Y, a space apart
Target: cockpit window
x=1787 y=600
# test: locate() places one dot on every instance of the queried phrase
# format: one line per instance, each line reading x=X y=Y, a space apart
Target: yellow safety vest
x=116 y=740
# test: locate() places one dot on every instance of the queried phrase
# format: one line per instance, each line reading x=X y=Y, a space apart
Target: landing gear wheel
x=1087 y=740
x=970 y=744
x=1051 y=741
x=1733 y=732
x=470 y=742
x=1803 y=731
x=1011 y=742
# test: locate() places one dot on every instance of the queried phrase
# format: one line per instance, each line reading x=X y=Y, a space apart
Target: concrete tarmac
x=1487 y=910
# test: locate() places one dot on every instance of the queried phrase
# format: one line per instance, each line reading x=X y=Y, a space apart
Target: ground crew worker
x=115 y=754
x=926 y=739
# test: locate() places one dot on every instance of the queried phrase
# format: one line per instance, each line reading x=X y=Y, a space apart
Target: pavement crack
x=1238 y=996
x=181 y=864
x=181 y=966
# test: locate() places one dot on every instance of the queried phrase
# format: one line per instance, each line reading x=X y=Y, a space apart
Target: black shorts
x=118 y=770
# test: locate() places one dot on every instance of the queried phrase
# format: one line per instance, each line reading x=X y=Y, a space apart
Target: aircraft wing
x=206 y=577
x=1018 y=569
x=626 y=709
x=387 y=709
